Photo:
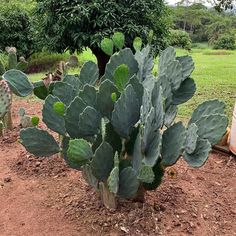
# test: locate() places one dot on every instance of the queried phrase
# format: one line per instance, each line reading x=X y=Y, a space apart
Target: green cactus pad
x=173 y=140
x=12 y=59
x=89 y=177
x=121 y=77
x=65 y=92
x=200 y=155
x=89 y=96
x=187 y=65
x=89 y=73
x=119 y=40
x=166 y=57
x=18 y=83
x=137 y=44
x=185 y=92
x=35 y=121
x=107 y=46
x=146 y=174
x=53 y=120
x=89 y=122
x=137 y=155
x=2 y=68
x=21 y=112
x=40 y=90
x=145 y=63
x=128 y=184
x=59 y=108
x=79 y=153
x=170 y=115
x=114 y=97
x=113 y=180
x=159 y=173
x=74 y=81
x=113 y=138
x=191 y=138
x=105 y=104
x=22 y=64
x=138 y=88
x=72 y=116
x=5 y=98
x=174 y=74
x=157 y=103
x=153 y=149
x=103 y=161
x=38 y=142
x=212 y=127
x=126 y=112
x=207 y=108
x=125 y=56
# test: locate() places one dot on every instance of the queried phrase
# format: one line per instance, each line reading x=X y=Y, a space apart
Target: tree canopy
x=72 y=25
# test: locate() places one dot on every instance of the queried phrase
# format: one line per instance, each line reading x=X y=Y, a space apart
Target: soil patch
x=44 y=197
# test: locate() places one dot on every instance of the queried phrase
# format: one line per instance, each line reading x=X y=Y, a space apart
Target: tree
x=15 y=28
x=73 y=25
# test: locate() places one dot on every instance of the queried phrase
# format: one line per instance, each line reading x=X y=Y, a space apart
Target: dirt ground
x=43 y=197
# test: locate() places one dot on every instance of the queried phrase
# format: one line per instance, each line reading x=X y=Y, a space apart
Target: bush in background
x=180 y=38
x=225 y=42
x=15 y=28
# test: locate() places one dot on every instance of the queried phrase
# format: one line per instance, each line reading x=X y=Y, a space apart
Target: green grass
x=215 y=77
x=214 y=74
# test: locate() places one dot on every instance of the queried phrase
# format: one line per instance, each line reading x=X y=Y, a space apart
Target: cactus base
x=108 y=198
x=140 y=196
x=1 y=129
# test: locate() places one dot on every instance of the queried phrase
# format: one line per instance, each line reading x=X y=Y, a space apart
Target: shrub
x=180 y=38
x=122 y=133
x=225 y=42
x=15 y=28
x=40 y=62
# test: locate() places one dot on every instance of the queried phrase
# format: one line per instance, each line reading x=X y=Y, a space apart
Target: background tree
x=15 y=28
x=75 y=24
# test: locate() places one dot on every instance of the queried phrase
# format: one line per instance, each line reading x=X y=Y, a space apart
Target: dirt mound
x=29 y=166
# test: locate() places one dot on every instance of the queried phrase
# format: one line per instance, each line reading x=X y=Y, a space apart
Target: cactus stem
x=108 y=198
x=140 y=196
x=8 y=120
x=1 y=128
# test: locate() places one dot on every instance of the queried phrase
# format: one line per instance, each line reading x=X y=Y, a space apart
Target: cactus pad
x=5 y=98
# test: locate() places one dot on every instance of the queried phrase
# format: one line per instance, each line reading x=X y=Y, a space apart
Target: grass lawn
x=214 y=74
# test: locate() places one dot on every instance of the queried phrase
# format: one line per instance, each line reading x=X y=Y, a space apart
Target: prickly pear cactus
x=122 y=134
x=5 y=98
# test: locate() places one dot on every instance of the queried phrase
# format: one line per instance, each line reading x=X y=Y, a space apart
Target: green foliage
x=180 y=38
x=225 y=42
x=15 y=28
x=86 y=23
x=202 y=23
x=122 y=133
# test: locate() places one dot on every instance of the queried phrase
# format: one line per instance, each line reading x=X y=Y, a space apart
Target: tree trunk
x=108 y=198
x=102 y=59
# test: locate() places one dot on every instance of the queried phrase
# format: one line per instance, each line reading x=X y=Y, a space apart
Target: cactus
x=12 y=64
x=5 y=103
x=122 y=134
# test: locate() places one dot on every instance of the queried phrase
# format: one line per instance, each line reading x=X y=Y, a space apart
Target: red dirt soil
x=43 y=197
